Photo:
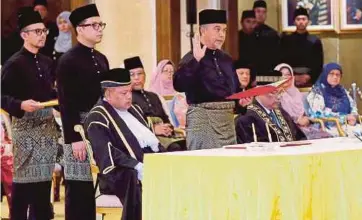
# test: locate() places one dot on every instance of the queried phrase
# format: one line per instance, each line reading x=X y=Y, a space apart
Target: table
x=319 y=181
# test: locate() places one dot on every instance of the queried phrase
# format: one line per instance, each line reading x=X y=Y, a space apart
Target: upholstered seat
x=108 y=201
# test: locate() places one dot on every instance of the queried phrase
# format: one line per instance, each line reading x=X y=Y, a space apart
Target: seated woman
x=162 y=84
x=292 y=102
x=329 y=98
x=161 y=79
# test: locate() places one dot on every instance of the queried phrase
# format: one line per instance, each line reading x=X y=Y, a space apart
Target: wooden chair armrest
x=338 y=124
x=180 y=131
x=94 y=169
x=319 y=121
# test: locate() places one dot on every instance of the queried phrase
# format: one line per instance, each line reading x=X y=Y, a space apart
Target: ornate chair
x=105 y=204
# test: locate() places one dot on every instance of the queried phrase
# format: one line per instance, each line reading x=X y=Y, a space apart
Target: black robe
x=26 y=76
x=78 y=82
x=257 y=115
x=117 y=158
x=303 y=50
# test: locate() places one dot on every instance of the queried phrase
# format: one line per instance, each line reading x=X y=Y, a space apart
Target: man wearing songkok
x=303 y=51
x=26 y=81
x=265 y=114
x=119 y=136
x=152 y=107
x=78 y=73
x=268 y=41
x=245 y=73
x=247 y=38
x=207 y=76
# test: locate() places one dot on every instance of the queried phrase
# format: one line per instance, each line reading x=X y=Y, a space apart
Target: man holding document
x=207 y=76
x=26 y=81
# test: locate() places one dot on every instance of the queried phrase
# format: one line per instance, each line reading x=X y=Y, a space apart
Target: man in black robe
x=247 y=38
x=265 y=112
x=26 y=81
x=303 y=51
x=268 y=42
x=152 y=107
x=41 y=6
x=119 y=136
x=207 y=76
x=78 y=73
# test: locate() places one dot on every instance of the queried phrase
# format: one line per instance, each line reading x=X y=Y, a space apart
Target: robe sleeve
x=106 y=154
x=9 y=79
x=186 y=75
x=67 y=91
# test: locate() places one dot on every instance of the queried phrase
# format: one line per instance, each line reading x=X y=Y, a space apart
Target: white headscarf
x=64 y=40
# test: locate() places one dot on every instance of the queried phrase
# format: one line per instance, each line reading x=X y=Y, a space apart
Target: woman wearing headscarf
x=64 y=40
x=292 y=102
x=161 y=79
x=329 y=98
x=162 y=84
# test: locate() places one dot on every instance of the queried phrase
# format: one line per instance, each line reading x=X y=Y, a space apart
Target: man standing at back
x=207 y=77
x=268 y=42
x=247 y=38
x=303 y=51
x=78 y=77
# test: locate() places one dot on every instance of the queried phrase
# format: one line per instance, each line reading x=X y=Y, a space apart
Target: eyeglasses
x=168 y=71
x=38 y=32
x=95 y=26
x=338 y=75
x=136 y=74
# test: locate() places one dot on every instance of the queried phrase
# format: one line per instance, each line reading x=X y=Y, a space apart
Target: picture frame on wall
x=322 y=14
x=351 y=15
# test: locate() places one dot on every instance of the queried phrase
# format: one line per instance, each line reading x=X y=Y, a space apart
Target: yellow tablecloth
x=228 y=186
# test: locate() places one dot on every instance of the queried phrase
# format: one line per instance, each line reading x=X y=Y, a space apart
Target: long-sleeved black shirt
x=210 y=80
x=78 y=81
x=26 y=76
x=303 y=50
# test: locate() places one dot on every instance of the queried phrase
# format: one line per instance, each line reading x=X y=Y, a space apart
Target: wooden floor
x=58 y=209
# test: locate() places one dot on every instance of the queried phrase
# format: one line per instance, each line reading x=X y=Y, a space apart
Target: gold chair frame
x=95 y=170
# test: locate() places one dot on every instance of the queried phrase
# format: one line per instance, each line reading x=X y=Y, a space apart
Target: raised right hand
x=79 y=150
x=198 y=51
x=30 y=105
